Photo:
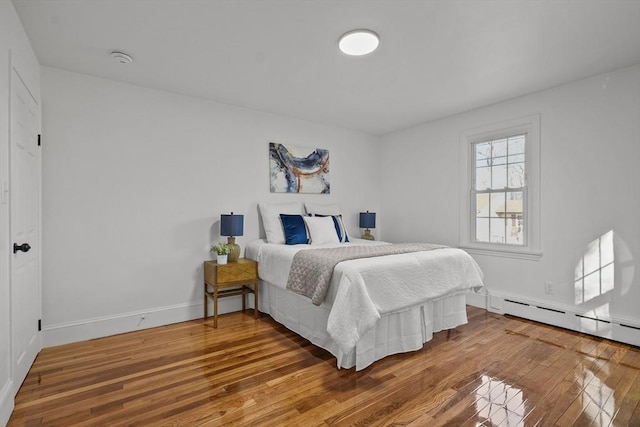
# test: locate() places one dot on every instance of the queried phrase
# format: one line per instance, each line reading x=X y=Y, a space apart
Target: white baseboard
x=7 y=395
x=87 y=329
x=570 y=317
x=616 y=328
x=477 y=300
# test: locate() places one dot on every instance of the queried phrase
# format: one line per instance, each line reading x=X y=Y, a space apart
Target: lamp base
x=367 y=235
x=235 y=250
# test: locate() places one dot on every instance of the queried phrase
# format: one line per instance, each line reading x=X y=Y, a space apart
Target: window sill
x=524 y=254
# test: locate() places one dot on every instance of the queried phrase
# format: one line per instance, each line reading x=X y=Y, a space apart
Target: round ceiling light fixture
x=359 y=42
x=121 y=57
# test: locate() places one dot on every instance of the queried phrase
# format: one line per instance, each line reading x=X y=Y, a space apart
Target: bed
x=372 y=307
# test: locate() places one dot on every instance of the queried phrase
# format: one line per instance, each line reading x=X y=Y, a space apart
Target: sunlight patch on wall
x=595 y=274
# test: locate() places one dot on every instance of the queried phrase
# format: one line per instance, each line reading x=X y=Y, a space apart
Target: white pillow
x=321 y=229
x=270 y=213
x=322 y=209
x=343 y=229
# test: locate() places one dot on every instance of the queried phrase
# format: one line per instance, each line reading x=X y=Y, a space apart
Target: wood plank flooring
x=494 y=371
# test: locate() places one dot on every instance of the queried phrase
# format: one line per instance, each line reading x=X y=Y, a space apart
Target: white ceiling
x=436 y=57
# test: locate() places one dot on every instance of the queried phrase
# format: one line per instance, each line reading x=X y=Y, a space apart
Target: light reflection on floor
x=499 y=403
x=597 y=399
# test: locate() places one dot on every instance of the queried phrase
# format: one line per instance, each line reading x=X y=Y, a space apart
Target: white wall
x=15 y=50
x=590 y=184
x=134 y=182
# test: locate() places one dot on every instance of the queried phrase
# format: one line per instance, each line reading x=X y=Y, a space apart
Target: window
x=501 y=196
x=498 y=190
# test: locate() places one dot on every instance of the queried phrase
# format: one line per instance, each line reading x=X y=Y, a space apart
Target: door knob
x=23 y=247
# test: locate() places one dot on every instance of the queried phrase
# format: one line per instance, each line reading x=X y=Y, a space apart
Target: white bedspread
x=363 y=290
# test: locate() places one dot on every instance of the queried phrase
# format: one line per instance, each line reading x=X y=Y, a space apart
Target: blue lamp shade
x=367 y=219
x=231 y=224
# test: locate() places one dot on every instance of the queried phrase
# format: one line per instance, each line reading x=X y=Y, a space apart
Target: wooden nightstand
x=227 y=280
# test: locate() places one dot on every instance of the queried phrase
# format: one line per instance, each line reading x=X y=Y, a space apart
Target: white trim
x=477 y=300
x=617 y=328
x=65 y=333
x=7 y=404
x=506 y=252
x=532 y=248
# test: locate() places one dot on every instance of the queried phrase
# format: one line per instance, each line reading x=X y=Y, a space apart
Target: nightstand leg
x=206 y=314
x=215 y=307
x=255 y=300
x=244 y=298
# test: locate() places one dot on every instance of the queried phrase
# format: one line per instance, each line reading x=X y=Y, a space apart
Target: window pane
x=516 y=158
x=483 y=154
x=499 y=177
x=514 y=202
x=499 y=152
x=498 y=204
x=516 y=144
x=497 y=230
x=482 y=229
x=482 y=205
x=483 y=178
x=514 y=214
x=516 y=175
x=515 y=230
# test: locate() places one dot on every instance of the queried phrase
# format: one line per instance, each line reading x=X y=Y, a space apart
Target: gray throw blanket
x=311 y=269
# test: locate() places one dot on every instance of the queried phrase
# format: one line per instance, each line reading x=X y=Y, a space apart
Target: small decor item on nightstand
x=367 y=220
x=231 y=225
x=222 y=252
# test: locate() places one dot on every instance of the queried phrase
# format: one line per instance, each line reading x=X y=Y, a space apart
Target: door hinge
x=39 y=325
x=39 y=140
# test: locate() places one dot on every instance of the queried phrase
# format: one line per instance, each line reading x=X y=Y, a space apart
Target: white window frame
x=531 y=249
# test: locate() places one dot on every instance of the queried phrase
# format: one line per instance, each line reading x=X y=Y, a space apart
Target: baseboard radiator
x=613 y=328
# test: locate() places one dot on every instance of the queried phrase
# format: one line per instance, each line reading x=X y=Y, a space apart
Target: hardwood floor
x=494 y=371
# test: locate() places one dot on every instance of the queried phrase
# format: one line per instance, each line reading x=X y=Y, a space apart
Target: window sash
x=523 y=218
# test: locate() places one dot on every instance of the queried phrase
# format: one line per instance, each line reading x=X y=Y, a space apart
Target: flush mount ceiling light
x=358 y=42
x=121 y=57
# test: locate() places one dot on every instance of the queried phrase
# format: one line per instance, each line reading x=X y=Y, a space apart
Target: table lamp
x=231 y=226
x=367 y=220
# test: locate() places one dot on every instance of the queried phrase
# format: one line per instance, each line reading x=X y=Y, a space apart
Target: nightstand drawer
x=243 y=270
x=235 y=272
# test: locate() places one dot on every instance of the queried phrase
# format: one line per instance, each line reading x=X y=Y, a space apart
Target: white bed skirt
x=394 y=333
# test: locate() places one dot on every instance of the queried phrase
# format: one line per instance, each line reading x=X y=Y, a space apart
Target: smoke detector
x=121 y=57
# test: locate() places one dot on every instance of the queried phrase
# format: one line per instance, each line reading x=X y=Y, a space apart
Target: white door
x=25 y=227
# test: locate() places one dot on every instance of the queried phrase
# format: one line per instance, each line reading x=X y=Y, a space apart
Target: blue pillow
x=295 y=232
x=340 y=228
